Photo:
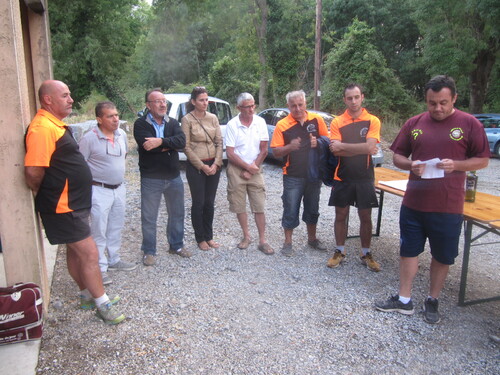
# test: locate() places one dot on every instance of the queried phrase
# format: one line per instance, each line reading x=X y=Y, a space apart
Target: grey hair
x=295 y=94
x=243 y=97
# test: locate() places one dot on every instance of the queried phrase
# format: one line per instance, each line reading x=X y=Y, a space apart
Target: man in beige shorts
x=246 y=148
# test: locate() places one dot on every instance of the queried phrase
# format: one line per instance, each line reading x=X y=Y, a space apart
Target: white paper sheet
x=396 y=184
x=431 y=170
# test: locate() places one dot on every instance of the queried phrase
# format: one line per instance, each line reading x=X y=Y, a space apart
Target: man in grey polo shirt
x=104 y=149
x=246 y=148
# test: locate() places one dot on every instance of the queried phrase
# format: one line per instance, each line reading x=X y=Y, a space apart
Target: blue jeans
x=295 y=190
x=151 y=191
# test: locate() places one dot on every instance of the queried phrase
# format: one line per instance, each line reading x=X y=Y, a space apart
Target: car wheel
x=497 y=149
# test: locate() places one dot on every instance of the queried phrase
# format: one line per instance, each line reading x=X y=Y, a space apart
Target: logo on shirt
x=311 y=128
x=363 y=132
x=415 y=133
x=456 y=134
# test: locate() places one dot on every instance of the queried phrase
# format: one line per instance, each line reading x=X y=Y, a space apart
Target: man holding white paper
x=432 y=207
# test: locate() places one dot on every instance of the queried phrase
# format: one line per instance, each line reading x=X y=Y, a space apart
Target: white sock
x=365 y=250
x=85 y=294
x=101 y=300
x=340 y=248
x=404 y=300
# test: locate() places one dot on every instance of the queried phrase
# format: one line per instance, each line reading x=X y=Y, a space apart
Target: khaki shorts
x=238 y=188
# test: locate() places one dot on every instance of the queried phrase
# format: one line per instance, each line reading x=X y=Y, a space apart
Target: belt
x=102 y=184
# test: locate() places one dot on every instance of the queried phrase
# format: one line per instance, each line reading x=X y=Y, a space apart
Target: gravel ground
x=234 y=311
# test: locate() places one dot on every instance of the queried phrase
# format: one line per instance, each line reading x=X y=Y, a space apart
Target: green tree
x=290 y=45
x=461 y=39
x=356 y=59
x=91 y=42
x=395 y=33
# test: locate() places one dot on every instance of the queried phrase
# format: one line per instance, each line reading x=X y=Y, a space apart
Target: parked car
x=176 y=108
x=491 y=122
x=273 y=115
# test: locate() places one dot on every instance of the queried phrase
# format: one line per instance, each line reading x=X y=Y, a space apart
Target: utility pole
x=317 y=57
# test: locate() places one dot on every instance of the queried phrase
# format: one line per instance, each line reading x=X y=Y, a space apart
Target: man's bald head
x=47 y=88
x=55 y=98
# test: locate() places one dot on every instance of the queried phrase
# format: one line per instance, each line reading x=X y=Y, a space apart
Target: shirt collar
x=151 y=118
x=100 y=134
x=51 y=118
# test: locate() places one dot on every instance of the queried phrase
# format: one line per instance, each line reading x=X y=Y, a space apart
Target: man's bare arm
x=262 y=154
x=34 y=177
x=351 y=149
x=294 y=145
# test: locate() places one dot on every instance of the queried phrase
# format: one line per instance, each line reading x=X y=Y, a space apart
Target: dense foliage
x=266 y=47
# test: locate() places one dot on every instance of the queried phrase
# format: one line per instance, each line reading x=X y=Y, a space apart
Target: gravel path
x=236 y=311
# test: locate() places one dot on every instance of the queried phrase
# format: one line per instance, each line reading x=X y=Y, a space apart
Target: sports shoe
x=106 y=280
x=370 y=263
x=109 y=313
x=89 y=304
x=317 y=244
x=149 y=260
x=431 y=314
x=122 y=266
x=183 y=252
x=287 y=250
x=394 y=304
x=336 y=259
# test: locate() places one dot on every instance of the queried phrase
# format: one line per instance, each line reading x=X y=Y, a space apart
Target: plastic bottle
x=470 y=186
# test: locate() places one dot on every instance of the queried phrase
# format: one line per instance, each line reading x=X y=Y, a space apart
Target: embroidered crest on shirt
x=311 y=128
x=456 y=134
x=363 y=132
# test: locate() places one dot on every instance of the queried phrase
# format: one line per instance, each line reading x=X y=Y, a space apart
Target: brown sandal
x=266 y=249
x=244 y=243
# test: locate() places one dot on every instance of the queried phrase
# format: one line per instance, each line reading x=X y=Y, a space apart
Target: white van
x=176 y=108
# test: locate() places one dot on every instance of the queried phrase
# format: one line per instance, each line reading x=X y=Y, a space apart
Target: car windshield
x=219 y=109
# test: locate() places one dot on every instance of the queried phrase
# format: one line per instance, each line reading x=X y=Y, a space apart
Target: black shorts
x=358 y=194
x=66 y=228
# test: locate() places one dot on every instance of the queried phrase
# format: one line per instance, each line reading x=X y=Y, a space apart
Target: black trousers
x=203 y=190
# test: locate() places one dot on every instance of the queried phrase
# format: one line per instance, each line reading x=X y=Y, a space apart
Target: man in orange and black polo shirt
x=354 y=136
x=295 y=139
x=62 y=183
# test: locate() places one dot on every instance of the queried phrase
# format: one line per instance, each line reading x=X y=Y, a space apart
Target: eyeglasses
x=158 y=101
x=113 y=150
x=247 y=106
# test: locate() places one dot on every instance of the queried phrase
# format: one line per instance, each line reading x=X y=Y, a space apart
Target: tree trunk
x=261 y=31
x=479 y=79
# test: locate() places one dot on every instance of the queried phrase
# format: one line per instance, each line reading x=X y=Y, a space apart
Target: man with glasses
x=246 y=148
x=104 y=149
x=158 y=138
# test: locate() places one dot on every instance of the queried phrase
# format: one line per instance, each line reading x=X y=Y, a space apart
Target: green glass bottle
x=470 y=186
